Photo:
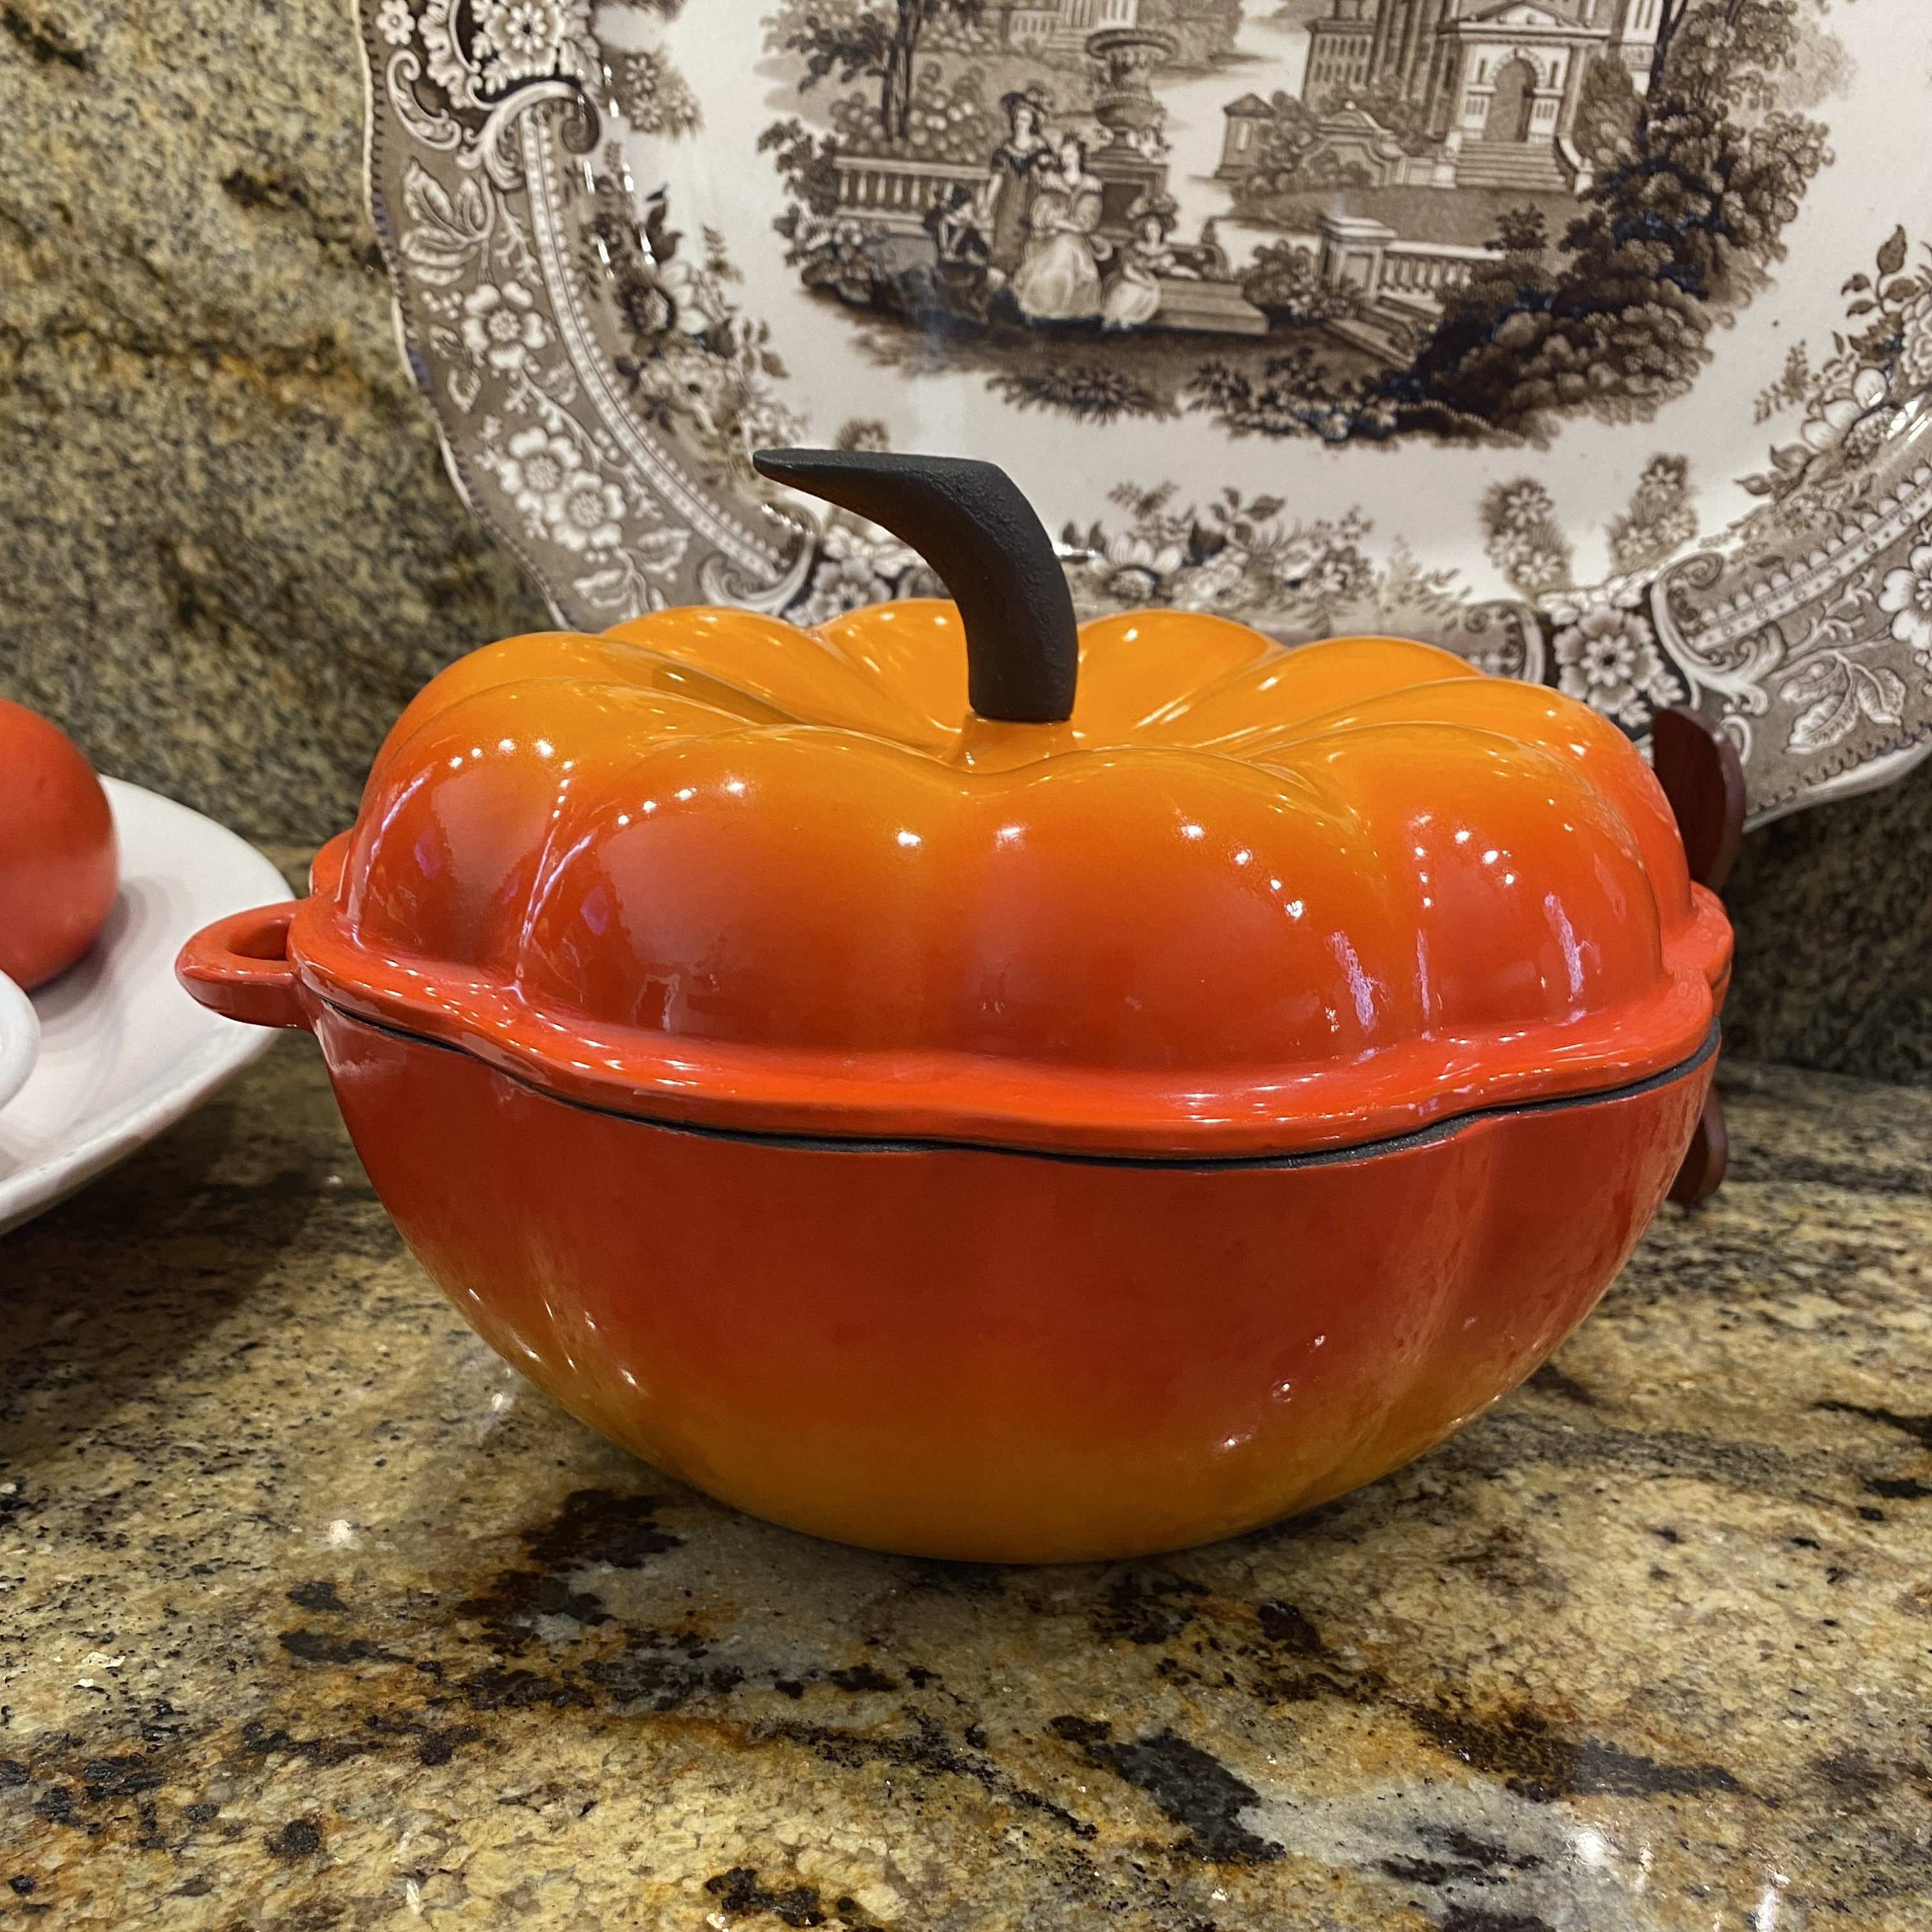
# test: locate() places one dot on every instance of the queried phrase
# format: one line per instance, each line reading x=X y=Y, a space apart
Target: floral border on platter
x=599 y=390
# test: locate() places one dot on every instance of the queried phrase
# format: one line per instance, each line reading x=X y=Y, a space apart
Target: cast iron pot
x=1190 y=1087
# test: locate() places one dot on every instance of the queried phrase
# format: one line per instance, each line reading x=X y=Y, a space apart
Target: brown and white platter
x=1591 y=338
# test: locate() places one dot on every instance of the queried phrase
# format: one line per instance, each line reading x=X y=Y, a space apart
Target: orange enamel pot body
x=955 y=1352
x=995 y=1139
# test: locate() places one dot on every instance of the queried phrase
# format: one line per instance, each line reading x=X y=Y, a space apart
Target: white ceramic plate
x=1591 y=338
x=124 y=1051
x=20 y=1039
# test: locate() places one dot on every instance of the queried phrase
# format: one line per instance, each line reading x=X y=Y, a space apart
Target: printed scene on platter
x=1342 y=219
x=1339 y=221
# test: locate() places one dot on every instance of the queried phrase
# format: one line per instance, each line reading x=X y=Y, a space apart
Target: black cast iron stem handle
x=970 y=522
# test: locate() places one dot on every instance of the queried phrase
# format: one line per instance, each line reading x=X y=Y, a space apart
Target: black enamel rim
x=1356 y=1150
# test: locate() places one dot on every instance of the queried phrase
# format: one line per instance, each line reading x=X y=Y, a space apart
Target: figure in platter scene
x=1011 y=182
x=1132 y=297
x=959 y=239
x=1058 y=279
x=1407 y=205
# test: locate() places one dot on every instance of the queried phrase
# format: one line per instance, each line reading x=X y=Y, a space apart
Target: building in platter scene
x=1061 y=25
x=1495 y=84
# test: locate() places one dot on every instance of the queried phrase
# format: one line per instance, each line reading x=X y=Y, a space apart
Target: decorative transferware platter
x=1590 y=338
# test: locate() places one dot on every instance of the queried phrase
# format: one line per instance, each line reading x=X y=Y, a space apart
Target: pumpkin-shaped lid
x=1206 y=897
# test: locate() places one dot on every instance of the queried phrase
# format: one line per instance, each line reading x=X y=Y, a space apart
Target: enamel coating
x=958 y=1353
x=709 y=868
x=832 y=1100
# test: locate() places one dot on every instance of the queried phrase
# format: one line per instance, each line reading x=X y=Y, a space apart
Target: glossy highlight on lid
x=1245 y=899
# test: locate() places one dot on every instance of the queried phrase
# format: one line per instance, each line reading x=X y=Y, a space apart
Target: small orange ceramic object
x=58 y=863
x=1176 y=1087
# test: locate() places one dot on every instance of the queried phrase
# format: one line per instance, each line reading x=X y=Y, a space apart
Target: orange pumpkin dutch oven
x=933 y=1106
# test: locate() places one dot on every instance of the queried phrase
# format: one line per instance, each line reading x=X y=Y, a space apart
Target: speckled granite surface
x=314 y=1616
x=1833 y=923
x=232 y=554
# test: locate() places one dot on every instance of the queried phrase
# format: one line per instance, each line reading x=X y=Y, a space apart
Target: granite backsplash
x=232 y=551
x=232 y=554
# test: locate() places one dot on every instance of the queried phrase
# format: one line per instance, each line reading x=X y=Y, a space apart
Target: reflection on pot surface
x=1152 y=1107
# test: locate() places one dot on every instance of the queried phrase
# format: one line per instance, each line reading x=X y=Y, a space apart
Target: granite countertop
x=313 y=1615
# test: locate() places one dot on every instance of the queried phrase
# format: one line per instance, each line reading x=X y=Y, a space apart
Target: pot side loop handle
x=240 y=968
